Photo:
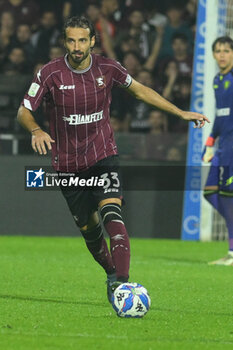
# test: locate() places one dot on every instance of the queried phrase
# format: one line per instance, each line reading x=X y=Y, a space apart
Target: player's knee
x=92 y=234
x=111 y=212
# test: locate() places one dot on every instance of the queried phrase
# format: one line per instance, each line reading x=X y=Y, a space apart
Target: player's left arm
x=146 y=94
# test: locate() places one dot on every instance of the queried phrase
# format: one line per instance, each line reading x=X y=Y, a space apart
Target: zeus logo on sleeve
x=77 y=119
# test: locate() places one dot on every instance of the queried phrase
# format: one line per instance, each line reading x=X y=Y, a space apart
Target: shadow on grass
x=50 y=300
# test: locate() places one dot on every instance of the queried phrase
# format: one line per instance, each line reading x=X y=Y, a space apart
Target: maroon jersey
x=77 y=105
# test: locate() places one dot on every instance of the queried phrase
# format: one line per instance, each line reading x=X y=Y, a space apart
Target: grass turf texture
x=53 y=297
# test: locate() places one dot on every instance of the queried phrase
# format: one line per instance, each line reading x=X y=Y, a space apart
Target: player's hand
x=197 y=118
x=208 y=155
x=41 y=141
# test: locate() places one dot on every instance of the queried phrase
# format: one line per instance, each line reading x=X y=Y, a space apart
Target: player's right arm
x=41 y=140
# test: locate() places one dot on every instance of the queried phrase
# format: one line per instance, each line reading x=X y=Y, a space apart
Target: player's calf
x=119 y=240
x=97 y=246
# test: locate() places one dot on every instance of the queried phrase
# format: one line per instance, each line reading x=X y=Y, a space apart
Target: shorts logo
x=33 y=89
x=35 y=178
x=100 y=81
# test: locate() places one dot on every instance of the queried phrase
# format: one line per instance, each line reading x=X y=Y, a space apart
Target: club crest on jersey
x=100 y=82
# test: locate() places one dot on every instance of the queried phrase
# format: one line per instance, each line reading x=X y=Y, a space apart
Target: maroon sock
x=120 y=248
x=97 y=246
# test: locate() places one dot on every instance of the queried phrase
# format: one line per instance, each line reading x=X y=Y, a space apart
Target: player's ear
x=93 y=41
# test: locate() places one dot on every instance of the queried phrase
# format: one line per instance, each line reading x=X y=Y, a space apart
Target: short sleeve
x=37 y=90
x=120 y=75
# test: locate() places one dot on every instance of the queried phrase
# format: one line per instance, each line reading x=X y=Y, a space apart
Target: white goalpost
x=200 y=220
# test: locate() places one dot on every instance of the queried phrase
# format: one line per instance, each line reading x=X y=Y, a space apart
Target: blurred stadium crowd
x=152 y=39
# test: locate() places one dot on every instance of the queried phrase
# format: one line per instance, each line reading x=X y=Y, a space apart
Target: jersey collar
x=77 y=71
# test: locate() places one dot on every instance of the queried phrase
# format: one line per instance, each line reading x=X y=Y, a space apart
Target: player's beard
x=77 y=60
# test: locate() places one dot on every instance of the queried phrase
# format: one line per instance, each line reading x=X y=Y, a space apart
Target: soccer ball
x=131 y=300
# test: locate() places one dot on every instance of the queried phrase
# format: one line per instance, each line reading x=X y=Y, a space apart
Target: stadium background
x=154 y=42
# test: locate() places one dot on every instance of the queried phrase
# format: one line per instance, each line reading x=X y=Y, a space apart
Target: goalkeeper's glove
x=208 y=152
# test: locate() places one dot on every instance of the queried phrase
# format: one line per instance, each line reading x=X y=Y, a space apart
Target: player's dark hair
x=223 y=40
x=79 y=22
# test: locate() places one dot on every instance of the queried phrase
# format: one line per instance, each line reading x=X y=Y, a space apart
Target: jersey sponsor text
x=76 y=119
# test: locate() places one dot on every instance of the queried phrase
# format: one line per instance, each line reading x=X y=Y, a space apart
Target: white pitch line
x=71 y=335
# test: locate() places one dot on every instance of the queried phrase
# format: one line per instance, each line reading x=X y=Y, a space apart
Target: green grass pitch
x=53 y=297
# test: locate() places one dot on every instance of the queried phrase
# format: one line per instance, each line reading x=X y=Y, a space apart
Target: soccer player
x=77 y=91
x=219 y=185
